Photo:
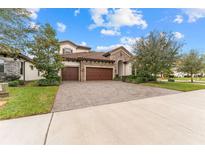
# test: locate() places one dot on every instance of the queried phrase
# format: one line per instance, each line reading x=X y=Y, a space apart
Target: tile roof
x=95 y=56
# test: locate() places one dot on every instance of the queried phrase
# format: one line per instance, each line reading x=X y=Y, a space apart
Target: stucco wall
x=75 y=50
x=128 y=69
x=31 y=74
x=120 y=55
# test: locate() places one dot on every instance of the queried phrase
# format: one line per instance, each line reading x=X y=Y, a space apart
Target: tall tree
x=44 y=50
x=14 y=30
x=156 y=53
x=191 y=63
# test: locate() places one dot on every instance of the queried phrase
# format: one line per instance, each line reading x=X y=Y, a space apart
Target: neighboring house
x=21 y=66
x=80 y=63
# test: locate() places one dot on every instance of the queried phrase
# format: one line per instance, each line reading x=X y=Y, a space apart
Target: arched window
x=67 y=50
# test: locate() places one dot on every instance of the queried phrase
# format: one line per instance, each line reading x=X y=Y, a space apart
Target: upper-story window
x=67 y=50
x=1 y=66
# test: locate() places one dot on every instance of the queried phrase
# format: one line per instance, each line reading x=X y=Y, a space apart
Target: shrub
x=171 y=80
x=48 y=82
x=124 y=78
x=21 y=82
x=13 y=83
x=117 y=78
x=12 y=77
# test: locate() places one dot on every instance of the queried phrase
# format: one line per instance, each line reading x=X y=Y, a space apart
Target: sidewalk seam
x=47 y=131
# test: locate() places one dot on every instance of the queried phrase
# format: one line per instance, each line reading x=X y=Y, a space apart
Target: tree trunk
x=192 y=80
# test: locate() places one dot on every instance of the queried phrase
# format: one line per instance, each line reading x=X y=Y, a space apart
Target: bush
x=12 y=77
x=21 y=82
x=48 y=82
x=117 y=78
x=13 y=83
x=171 y=80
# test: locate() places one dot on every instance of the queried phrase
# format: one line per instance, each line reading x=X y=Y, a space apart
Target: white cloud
x=34 y=12
x=83 y=43
x=33 y=25
x=179 y=19
x=109 y=32
x=127 y=42
x=97 y=17
x=178 y=35
x=126 y=17
x=61 y=27
x=76 y=12
x=107 y=48
x=116 y=18
x=194 y=14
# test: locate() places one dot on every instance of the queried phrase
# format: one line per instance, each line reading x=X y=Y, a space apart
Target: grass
x=189 y=79
x=28 y=100
x=176 y=86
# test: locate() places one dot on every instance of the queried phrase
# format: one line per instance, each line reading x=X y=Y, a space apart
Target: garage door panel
x=93 y=73
x=70 y=73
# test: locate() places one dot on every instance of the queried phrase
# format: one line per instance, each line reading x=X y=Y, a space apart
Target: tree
x=15 y=30
x=44 y=50
x=156 y=53
x=191 y=63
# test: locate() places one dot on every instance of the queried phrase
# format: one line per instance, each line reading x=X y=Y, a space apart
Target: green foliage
x=171 y=80
x=12 y=77
x=117 y=78
x=139 y=78
x=45 y=49
x=21 y=82
x=156 y=53
x=48 y=82
x=14 y=83
x=191 y=63
x=15 y=30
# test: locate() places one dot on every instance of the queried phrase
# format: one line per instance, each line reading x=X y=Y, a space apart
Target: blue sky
x=104 y=29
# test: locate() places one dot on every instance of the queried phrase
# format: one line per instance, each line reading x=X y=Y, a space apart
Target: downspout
x=24 y=71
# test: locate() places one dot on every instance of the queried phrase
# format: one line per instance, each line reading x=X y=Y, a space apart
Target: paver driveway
x=75 y=95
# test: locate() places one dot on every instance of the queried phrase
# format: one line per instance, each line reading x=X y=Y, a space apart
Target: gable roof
x=120 y=47
x=78 y=46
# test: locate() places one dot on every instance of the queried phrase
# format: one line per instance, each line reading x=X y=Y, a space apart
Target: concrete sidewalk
x=28 y=130
x=171 y=119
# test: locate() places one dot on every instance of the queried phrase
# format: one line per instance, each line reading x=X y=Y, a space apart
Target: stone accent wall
x=117 y=56
x=85 y=64
x=11 y=67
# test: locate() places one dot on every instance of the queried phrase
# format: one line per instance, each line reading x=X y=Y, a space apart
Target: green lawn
x=189 y=79
x=28 y=100
x=176 y=86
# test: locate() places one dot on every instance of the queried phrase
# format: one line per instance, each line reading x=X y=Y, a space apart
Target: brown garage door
x=70 y=73
x=93 y=73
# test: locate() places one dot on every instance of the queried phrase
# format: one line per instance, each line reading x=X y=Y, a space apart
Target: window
x=31 y=66
x=67 y=50
x=1 y=66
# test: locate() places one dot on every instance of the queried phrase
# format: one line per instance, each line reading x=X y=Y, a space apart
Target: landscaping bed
x=176 y=86
x=28 y=100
